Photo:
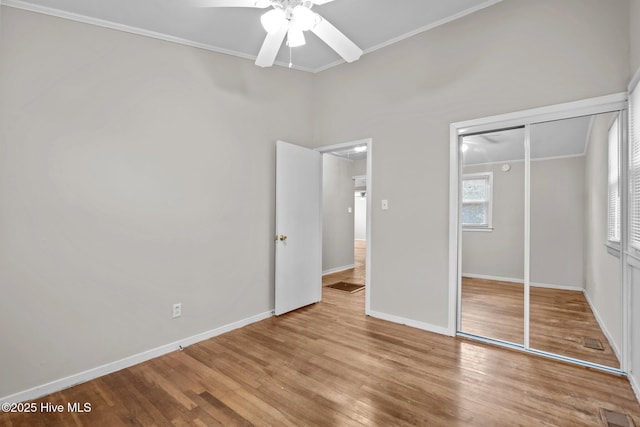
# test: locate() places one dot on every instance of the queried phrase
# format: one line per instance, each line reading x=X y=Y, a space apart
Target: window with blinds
x=477 y=201
x=634 y=168
x=613 y=188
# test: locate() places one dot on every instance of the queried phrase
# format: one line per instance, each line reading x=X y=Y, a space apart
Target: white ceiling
x=350 y=153
x=371 y=24
x=556 y=139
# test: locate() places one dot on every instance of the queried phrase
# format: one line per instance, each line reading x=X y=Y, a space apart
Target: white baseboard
x=90 y=374
x=498 y=278
x=634 y=385
x=413 y=323
x=554 y=286
x=603 y=327
x=338 y=269
x=513 y=280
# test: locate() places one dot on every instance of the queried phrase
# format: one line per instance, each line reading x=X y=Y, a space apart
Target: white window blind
x=477 y=200
x=634 y=168
x=613 y=190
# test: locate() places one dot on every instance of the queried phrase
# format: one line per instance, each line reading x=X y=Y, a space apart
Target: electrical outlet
x=177 y=310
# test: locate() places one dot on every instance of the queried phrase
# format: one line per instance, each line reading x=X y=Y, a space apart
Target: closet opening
x=536 y=230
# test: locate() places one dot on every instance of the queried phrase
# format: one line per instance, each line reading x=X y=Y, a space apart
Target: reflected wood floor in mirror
x=327 y=365
x=559 y=319
x=493 y=309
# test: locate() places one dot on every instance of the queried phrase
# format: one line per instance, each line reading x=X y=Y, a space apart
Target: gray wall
x=499 y=253
x=360 y=217
x=602 y=270
x=634 y=371
x=515 y=55
x=634 y=33
x=359 y=167
x=135 y=174
x=557 y=222
x=337 y=222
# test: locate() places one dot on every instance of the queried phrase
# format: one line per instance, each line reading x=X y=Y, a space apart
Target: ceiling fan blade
x=260 y=4
x=337 y=41
x=270 y=48
x=318 y=2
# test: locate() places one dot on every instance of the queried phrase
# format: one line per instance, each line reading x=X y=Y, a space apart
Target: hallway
x=353 y=275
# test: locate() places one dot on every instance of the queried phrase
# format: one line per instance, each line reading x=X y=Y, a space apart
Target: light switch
x=385 y=205
x=349 y=210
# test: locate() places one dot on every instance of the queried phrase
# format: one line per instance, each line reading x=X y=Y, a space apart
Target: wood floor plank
x=223 y=414
x=493 y=309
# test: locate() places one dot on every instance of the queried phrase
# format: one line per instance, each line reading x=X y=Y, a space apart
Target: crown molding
x=19 y=4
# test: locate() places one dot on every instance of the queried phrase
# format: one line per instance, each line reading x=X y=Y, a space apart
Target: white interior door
x=298 y=227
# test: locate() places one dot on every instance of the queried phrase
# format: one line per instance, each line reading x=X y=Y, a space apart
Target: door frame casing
x=369 y=143
x=525 y=118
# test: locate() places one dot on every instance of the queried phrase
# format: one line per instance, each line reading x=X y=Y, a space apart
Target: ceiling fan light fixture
x=290 y=19
x=274 y=20
x=304 y=18
x=295 y=36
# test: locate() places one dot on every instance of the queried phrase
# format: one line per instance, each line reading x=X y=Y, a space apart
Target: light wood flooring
x=330 y=365
x=559 y=319
x=353 y=275
x=493 y=309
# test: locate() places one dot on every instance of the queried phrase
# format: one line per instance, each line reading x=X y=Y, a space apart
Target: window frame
x=633 y=176
x=488 y=177
x=614 y=243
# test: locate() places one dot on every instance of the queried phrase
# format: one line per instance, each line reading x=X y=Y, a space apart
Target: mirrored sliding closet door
x=575 y=288
x=540 y=220
x=492 y=215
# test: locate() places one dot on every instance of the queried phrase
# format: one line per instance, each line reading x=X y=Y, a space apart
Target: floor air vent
x=349 y=287
x=615 y=419
x=593 y=343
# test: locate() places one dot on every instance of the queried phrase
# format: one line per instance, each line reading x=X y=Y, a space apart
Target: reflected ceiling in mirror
x=560 y=138
x=493 y=147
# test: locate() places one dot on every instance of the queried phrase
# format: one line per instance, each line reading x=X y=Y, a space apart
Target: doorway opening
x=346 y=218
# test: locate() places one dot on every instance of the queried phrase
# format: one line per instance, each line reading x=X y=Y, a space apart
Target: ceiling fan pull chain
x=290 y=58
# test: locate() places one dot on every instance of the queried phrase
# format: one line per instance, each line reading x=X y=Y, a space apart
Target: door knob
x=283 y=237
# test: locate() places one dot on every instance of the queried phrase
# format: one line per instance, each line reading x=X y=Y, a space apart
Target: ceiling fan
x=290 y=19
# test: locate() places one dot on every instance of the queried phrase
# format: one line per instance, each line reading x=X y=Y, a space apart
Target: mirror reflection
x=575 y=292
x=575 y=288
x=492 y=214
